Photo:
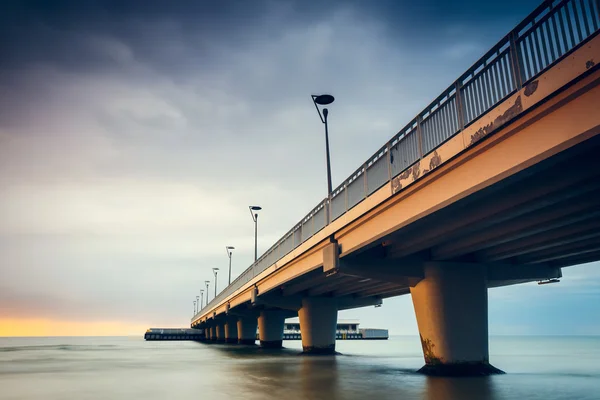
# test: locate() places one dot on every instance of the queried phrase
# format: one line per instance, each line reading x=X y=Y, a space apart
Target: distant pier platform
x=174 y=334
x=346 y=330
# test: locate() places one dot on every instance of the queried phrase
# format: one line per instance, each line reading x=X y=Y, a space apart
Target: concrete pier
x=220 y=328
x=231 y=330
x=452 y=315
x=246 y=329
x=318 y=323
x=270 y=328
x=213 y=332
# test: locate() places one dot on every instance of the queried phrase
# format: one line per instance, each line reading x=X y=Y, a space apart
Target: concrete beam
x=407 y=272
x=522 y=198
x=555 y=237
x=522 y=273
x=534 y=223
x=349 y=302
x=276 y=300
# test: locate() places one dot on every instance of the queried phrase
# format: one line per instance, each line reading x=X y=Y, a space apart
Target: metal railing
x=550 y=32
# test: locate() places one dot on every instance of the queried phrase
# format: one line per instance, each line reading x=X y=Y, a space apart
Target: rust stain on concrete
x=435 y=161
x=531 y=88
x=396 y=185
x=589 y=64
x=509 y=114
x=416 y=170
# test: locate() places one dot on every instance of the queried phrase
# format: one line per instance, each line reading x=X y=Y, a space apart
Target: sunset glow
x=48 y=327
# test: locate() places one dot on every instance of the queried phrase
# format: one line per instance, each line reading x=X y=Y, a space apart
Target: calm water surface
x=130 y=368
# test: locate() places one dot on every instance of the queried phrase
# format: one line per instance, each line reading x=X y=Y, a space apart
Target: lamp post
x=324 y=100
x=215 y=271
x=255 y=219
x=194 y=307
x=207 y=283
x=229 y=253
x=198 y=303
x=202 y=299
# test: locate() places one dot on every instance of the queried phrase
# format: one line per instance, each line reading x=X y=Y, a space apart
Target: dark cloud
x=134 y=134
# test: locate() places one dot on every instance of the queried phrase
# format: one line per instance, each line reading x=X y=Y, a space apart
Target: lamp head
x=255 y=208
x=323 y=99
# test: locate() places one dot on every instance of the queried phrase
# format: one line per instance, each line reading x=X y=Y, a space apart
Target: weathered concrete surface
x=270 y=328
x=246 y=328
x=318 y=322
x=451 y=308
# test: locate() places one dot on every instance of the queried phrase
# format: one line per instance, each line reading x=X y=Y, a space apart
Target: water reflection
x=319 y=377
x=285 y=374
x=459 y=388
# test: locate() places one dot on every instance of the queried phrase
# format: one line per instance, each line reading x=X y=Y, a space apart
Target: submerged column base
x=271 y=344
x=318 y=351
x=460 y=369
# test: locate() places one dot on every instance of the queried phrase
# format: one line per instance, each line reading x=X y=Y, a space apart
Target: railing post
x=419 y=137
x=389 y=160
x=460 y=110
x=346 y=196
x=515 y=61
x=366 y=184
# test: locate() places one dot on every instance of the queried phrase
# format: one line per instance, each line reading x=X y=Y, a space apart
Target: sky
x=134 y=135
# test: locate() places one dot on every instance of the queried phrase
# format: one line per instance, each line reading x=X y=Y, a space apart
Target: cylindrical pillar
x=270 y=328
x=452 y=315
x=231 y=331
x=220 y=328
x=246 y=328
x=213 y=333
x=318 y=324
x=206 y=332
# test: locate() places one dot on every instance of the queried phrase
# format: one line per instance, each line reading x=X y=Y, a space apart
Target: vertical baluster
x=570 y=26
x=366 y=184
x=577 y=22
x=545 y=52
x=594 y=11
x=389 y=160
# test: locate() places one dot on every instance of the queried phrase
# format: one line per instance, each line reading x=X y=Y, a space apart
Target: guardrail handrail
x=529 y=49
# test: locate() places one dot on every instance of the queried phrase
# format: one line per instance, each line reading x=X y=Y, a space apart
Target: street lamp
x=207 y=283
x=229 y=253
x=198 y=303
x=215 y=271
x=194 y=307
x=255 y=219
x=324 y=100
x=202 y=299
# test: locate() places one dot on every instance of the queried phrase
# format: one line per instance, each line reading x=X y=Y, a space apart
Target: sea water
x=537 y=367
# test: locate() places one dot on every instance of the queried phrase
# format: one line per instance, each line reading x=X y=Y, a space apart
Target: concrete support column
x=213 y=333
x=270 y=328
x=452 y=315
x=231 y=330
x=246 y=329
x=220 y=329
x=318 y=324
